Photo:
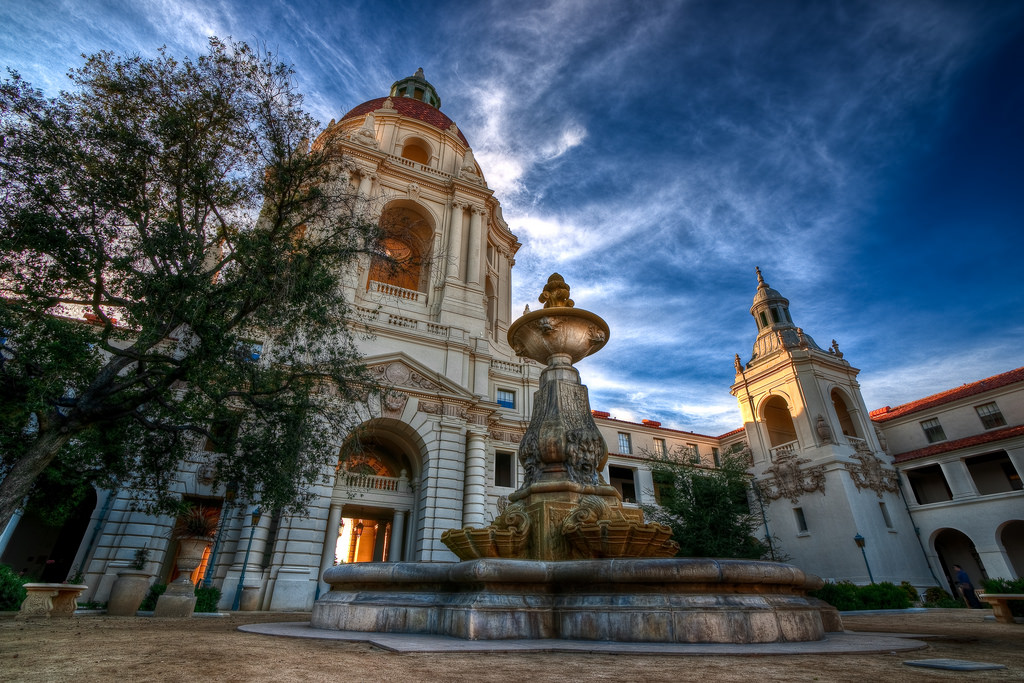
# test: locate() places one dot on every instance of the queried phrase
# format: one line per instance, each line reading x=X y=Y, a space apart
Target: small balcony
x=783 y=450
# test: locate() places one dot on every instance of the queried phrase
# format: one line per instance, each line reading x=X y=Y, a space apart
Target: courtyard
x=101 y=648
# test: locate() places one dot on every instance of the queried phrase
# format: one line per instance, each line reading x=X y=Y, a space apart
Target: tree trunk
x=16 y=485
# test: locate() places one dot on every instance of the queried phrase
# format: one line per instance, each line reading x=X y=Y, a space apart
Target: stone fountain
x=565 y=559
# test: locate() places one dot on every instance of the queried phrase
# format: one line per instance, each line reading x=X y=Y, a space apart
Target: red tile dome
x=407 y=106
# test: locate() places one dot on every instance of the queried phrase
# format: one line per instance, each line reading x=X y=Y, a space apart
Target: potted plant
x=194 y=531
x=131 y=586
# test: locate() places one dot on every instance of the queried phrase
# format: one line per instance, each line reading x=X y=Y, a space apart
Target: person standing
x=963 y=582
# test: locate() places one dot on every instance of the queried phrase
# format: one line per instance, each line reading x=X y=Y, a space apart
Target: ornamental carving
x=791 y=480
x=393 y=403
x=397 y=373
x=506 y=436
x=431 y=408
x=366 y=135
x=872 y=474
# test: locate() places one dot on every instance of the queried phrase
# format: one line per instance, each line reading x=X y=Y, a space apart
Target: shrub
x=155 y=591
x=12 y=589
x=936 y=597
x=883 y=595
x=911 y=592
x=847 y=597
x=842 y=595
x=207 y=599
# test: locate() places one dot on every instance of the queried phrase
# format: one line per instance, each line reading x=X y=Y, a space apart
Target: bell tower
x=825 y=480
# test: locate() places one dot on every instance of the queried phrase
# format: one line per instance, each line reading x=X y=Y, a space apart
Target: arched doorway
x=955 y=547
x=1011 y=537
x=778 y=421
x=44 y=543
x=847 y=423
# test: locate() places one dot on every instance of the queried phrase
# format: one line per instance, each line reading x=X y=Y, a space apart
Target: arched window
x=778 y=421
x=416 y=150
x=406 y=250
x=846 y=421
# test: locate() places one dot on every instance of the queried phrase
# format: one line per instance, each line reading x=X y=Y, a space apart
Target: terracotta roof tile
x=885 y=414
x=947 y=446
x=406 y=106
x=735 y=431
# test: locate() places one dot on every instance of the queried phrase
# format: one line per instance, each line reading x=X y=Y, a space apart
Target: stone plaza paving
x=98 y=647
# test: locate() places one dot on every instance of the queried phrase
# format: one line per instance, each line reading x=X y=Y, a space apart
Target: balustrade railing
x=784 y=449
x=374 y=482
x=397 y=292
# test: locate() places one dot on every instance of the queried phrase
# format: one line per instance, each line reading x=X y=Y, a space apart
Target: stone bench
x=47 y=600
x=1001 y=604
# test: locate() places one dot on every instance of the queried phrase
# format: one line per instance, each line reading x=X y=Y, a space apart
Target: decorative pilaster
x=473 y=255
x=476 y=474
x=455 y=240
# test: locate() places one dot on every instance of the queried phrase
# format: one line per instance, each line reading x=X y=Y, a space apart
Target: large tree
x=708 y=509
x=172 y=249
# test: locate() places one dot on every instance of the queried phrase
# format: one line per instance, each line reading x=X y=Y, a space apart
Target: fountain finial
x=556 y=293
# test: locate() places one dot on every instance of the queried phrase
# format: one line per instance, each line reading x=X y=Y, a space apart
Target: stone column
x=474 y=498
x=397 y=536
x=473 y=255
x=455 y=240
x=254 y=567
x=330 y=544
x=959 y=479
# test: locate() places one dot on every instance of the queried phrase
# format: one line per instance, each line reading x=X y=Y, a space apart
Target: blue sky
x=868 y=156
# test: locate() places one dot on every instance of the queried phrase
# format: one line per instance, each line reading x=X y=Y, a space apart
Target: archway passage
x=955 y=547
x=779 y=421
x=846 y=421
x=1011 y=536
x=406 y=247
x=44 y=551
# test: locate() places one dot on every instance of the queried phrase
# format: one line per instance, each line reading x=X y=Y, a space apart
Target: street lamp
x=860 y=541
x=256 y=513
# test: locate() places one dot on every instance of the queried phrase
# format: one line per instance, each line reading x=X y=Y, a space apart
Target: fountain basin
x=553 y=331
x=666 y=600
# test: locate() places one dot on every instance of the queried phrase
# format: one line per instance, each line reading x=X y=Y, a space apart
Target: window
x=622 y=478
x=933 y=430
x=990 y=415
x=504 y=471
x=222 y=434
x=694 y=453
x=885 y=515
x=801 y=520
x=775 y=315
x=993 y=473
x=625 y=443
x=764 y=320
x=659 y=447
x=249 y=350
x=718 y=458
x=506 y=398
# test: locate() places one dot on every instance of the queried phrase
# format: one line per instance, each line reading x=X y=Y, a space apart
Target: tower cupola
x=416 y=87
x=770 y=309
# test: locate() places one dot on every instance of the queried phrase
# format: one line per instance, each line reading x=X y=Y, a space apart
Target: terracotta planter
x=128 y=592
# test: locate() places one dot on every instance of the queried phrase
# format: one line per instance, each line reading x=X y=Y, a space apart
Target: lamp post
x=860 y=541
x=256 y=513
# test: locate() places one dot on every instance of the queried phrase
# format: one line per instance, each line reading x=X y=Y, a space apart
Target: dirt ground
x=101 y=648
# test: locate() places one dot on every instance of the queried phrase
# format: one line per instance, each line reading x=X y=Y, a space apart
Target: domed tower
x=821 y=471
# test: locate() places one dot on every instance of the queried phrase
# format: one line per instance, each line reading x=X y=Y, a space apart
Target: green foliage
x=196 y=521
x=149 y=602
x=177 y=205
x=935 y=597
x=140 y=558
x=707 y=509
x=911 y=592
x=847 y=597
x=12 y=589
x=1007 y=586
x=207 y=599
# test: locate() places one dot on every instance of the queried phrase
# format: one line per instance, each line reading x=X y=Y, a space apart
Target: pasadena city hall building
x=922 y=486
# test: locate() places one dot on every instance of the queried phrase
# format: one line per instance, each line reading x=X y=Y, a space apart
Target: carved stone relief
x=393 y=403
x=790 y=480
x=872 y=474
x=399 y=374
x=824 y=431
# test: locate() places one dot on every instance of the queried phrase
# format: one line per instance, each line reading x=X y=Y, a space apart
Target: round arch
x=846 y=412
x=1010 y=535
x=415 y=148
x=953 y=546
x=407 y=242
x=778 y=420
